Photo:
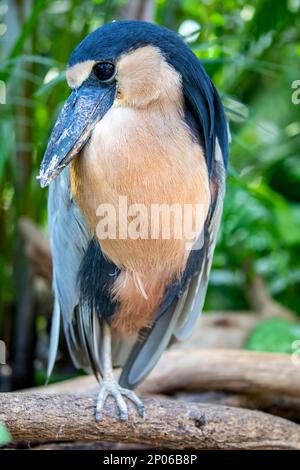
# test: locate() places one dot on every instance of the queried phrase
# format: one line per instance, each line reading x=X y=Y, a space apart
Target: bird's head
x=131 y=63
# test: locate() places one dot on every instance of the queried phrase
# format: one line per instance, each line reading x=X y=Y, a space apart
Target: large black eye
x=104 y=71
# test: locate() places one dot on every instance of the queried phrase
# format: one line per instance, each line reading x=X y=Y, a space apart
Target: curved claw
x=136 y=400
x=112 y=388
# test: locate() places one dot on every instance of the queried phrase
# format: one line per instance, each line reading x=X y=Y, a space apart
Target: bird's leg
x=109 y=385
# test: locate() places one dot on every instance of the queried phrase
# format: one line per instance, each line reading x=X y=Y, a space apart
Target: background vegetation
x=251 y=50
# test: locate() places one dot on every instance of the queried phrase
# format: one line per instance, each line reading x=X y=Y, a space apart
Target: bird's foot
x=111 y=387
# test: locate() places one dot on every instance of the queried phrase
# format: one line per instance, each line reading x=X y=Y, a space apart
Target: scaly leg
x=109 y=385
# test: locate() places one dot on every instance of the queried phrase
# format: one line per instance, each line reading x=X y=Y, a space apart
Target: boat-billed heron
x=144 y=124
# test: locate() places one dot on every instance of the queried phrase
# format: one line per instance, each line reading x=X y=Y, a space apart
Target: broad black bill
x=81 y=112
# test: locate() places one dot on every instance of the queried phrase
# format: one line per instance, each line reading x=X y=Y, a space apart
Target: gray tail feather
x=147 y=352
x=54 y=339
x=90 y=332
x=193 y=307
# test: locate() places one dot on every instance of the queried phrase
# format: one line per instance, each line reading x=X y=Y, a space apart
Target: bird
x=143 y=124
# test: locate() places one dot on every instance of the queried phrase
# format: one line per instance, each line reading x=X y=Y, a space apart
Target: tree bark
x=33 y=417
x=285 y=407
x=194 y=370
x=225 y=369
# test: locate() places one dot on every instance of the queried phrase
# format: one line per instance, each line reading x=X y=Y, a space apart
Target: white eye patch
x=78 y=73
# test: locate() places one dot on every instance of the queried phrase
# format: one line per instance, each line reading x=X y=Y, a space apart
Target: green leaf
x=275 y=335
x=5 y=436
x=48 y=86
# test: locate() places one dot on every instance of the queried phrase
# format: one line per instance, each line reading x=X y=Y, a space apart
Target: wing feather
x=147 y=352
x=198 y=285
x=69 y=238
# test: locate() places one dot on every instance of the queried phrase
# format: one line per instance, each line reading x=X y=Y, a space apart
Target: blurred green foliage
x=251 y=50
x=5 y=436
x=275 y=335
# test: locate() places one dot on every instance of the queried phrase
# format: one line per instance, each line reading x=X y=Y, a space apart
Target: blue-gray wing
x=69 y=238
x=196 y=290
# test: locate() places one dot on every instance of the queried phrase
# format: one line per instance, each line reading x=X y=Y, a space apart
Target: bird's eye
x=104 y=71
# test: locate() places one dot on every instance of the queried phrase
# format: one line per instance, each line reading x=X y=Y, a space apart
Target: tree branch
x=278 y=405
x=32 y=417
x=195 y=370
x=225 y=369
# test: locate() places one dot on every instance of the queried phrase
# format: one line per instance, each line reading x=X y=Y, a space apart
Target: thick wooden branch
x=278 y=405
x=224 y=369
x=197 y=370
x=33 y=417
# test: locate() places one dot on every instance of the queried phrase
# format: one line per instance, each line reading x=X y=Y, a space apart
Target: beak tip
x=47 y=171
x=43 y=179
